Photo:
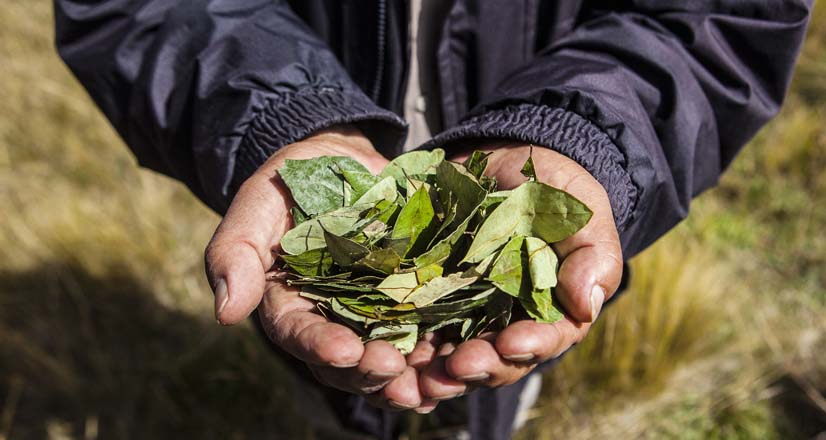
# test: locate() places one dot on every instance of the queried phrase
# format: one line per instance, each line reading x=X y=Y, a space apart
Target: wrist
x=344 y=138
x=340 y=140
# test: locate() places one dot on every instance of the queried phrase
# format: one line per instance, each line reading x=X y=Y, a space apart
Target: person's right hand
x=241 y=252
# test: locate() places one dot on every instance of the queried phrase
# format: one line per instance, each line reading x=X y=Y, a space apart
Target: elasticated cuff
x=562 y=131
x=294 y=116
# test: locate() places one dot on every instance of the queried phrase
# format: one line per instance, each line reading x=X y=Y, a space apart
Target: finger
x=427 y=406
x=240 y=251
x=403 y=391
x=380 y=364
x=587 y=278
x=347 y=379
x=434 y=381
x=477 y=360
x=293 y=324
x=530 y=341
x=424 y=351
x=592 y=266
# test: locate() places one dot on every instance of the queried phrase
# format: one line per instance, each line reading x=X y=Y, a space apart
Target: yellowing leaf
x=381 y=260
x=398 y=286
x=385 y=189
x=439 y=287
x=427 y=273
x=542 y=263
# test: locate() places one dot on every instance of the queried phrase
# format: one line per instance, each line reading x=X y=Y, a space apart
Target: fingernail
x=597 y=298
x=523 y=357
x=424 y=410
x=221 y=298
x=474 y=377
x=399 y=405
x=452 y=396
x=373 y=376
x=341 y=365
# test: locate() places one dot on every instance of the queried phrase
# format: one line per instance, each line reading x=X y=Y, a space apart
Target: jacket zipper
x=381 y=31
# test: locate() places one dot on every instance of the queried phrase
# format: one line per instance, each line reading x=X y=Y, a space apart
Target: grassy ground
x=106 y=323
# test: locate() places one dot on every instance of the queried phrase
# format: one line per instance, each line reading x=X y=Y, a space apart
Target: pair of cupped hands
x=245 y=245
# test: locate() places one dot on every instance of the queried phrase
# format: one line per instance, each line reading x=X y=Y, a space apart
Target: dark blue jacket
x=653 y=97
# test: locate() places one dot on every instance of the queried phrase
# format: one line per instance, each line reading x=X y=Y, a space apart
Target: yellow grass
x=105 y=316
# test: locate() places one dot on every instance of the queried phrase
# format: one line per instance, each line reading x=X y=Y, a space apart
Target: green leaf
x=528 y=169
x=402 y=336
x=374 y=231
x=315 y=262
x=317 y=185
x=446 y=217
x=457 y=307
x=473 y=328
x=442 y=250
x=332 y=286
x=533 y=209
x=385 y=330
x=348 y=316
x=360 y=181
x=413 y=163
x=297 y=215
x=398 y=286
x=381 y=260
x=442 y=311
x=455 y=183
x=443 y=324
x=540 y=306
x=344 y=251
x=439 y=287
x=492 y=200
x=498 y=310
x=428 y=273
x=310 y=234
x=314 y=294
x=405 y=343
x=385 y=189
x=416 y=222
x=542 y=263
x=413 y=185
x=509 y=271
x=383 y=211
x=476 y=163
x=482 y=268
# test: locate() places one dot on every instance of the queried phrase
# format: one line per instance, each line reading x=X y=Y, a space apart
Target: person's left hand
x=590 y=273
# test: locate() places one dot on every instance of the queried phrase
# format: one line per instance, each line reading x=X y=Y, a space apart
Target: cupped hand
x=241 y=252
x=590 y=273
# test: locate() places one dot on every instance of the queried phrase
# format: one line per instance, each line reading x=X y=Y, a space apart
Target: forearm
x=654 y=101
x=205 y=91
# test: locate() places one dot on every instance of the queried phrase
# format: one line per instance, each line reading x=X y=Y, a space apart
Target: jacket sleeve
x=206 y=90
x=653 y=99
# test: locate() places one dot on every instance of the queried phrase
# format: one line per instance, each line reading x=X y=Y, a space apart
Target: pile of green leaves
x=427 y=244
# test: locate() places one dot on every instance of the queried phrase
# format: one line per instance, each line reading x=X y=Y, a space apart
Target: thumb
x=240 y=252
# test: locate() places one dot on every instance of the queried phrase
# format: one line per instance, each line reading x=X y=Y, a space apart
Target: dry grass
x=105 y=315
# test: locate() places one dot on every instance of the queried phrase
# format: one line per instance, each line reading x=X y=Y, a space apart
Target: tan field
x=106 y=327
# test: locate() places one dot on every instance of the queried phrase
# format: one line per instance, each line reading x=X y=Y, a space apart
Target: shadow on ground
x=84 y=356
